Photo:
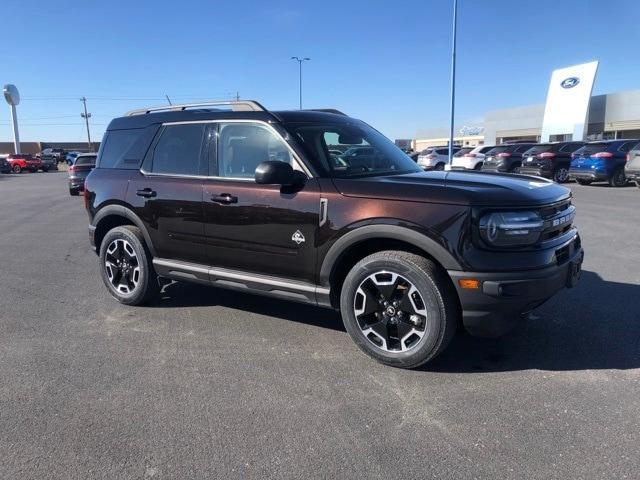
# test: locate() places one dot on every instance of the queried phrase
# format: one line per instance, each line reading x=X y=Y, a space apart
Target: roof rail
x=236 y=106
x=327 y=110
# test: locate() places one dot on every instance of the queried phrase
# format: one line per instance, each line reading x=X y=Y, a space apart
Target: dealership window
x=179 y=150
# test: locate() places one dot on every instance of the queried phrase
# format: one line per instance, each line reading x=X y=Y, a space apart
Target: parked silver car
x=435 y=158
x=470 y=160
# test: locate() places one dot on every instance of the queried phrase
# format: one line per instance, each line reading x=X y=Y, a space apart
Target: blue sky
x=386 y=62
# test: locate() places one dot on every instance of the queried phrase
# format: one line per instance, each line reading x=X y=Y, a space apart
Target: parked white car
x=471 y=160
x=435 y=158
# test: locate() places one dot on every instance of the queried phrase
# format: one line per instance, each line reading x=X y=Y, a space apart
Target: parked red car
x=24 y=161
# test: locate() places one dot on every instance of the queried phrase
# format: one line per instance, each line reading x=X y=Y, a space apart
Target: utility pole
x=86 y=116
x=453 y=79
x=300 y=60
x=237 y=96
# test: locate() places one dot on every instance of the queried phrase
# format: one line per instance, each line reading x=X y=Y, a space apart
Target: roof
x=143 y=118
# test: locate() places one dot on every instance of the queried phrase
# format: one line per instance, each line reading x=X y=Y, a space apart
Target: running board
x=243 y=281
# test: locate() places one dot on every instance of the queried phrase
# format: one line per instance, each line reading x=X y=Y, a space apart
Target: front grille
x=558 y=219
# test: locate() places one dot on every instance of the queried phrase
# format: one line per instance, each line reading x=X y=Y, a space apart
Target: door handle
x=146 y=193
x=224 y=198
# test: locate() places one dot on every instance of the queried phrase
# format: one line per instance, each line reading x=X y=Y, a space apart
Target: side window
x=179 y=150
x=243 y=146
x=627 y=146
x=125 y=148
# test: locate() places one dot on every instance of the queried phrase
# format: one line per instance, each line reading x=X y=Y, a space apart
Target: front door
x=167 y=195
x=263 y=229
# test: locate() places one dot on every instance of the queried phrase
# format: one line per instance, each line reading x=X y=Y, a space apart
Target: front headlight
x=505 y=229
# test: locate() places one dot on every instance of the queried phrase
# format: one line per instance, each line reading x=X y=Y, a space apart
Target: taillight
x=85 y=195
x=72 y=168
x=627 y=158
x=602 y=155
x=546 y=155
x=470 y=155
x=503 y=155
x=432 y=155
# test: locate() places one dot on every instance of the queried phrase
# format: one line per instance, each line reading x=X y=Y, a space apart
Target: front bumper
x=503 y=298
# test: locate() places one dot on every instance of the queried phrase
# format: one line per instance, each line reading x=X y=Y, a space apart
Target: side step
x=243 y=281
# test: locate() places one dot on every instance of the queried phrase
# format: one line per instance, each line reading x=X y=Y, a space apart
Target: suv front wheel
x=399 y=308
x=125 y=266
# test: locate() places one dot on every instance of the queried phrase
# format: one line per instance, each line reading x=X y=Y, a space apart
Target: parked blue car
x=71 y=157
x=601 y=161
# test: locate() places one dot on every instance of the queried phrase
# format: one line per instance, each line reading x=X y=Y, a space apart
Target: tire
x=439 y=166
x=478 y=166
x=618 y=178
x=561 y=174
x=515 y=168
x=114 y=246
x=434 y=294
x=45 y=169
x=638 y=183
x=16 y=169
x=74 y=192
x=582 y=181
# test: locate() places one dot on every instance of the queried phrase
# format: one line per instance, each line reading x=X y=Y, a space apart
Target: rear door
x=167 y=192
x=265 y=229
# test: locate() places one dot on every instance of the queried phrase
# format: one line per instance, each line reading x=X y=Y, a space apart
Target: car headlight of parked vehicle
x=507 y=229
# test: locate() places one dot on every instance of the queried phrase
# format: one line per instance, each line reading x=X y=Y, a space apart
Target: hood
x=460 y=188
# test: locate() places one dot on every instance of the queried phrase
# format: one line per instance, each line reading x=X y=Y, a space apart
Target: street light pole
x=86 y=116
x=300 y=60
x=453 y=79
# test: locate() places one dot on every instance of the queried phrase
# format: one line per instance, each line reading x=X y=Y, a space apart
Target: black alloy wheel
x=399 y=308
x=618 y=179
x=126 y=266
x=561 y=175
x=390 y=311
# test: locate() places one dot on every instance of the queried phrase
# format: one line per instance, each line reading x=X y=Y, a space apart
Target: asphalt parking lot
x=206 y=383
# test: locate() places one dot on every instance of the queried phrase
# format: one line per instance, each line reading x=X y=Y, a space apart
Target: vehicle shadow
x=182 y=294
x=593 y=326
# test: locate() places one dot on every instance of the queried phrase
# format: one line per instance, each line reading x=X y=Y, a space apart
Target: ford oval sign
x=570 y=82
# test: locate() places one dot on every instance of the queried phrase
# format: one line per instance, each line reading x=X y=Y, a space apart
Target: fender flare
x=392 y=232
x=123 y=211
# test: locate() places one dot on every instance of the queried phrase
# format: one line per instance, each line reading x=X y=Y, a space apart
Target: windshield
x=366 y=151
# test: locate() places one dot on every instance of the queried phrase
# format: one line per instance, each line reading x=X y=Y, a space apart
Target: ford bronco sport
x=232 y=195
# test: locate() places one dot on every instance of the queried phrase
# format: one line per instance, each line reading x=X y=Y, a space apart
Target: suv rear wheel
x=399 y=308
x=16 y=169
x=561 y=174
x=126 y=267
x=618 y=179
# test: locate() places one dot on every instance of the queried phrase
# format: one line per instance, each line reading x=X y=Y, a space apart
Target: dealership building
x=571 y=112
x=610 y=116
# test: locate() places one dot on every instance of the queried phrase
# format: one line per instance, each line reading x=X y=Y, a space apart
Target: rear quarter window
x=125 y=149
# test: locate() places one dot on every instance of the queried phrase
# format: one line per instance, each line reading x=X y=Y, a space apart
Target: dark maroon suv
x=232 y=195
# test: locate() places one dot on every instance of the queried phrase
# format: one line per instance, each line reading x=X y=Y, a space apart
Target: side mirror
x=276 y=173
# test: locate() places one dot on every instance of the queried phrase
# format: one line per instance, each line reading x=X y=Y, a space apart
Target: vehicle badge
x=297 y=237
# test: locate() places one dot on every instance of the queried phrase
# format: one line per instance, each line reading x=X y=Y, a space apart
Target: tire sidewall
x=139 y=292
x=431 y=297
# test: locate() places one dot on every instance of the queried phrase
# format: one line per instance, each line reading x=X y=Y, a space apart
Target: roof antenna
x=168 y=99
